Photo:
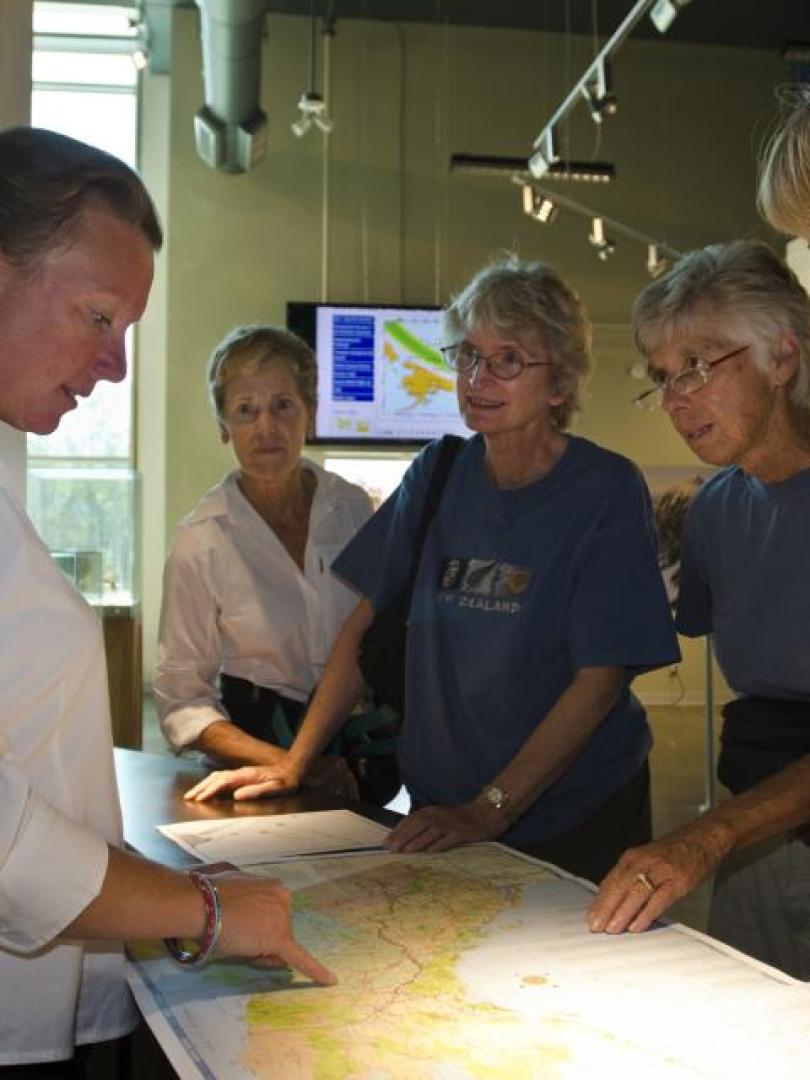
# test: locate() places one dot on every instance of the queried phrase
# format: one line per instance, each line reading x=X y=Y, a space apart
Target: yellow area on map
x=421 y=382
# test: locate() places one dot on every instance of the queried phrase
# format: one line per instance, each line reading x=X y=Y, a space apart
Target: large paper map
x=474 y=964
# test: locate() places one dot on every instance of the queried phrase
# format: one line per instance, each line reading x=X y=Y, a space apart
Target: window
x=81 y=483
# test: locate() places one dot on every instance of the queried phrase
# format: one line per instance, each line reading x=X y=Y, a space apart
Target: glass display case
x=378 y=475
x=89 y=516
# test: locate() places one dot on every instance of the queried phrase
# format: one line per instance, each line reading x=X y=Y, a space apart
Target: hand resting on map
x=437 y=828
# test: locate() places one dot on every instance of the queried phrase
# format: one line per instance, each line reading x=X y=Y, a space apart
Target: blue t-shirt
x=517 y=589
x=745 y=577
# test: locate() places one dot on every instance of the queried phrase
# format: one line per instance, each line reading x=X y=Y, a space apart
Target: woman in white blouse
x=250 y=607
x=78 y=234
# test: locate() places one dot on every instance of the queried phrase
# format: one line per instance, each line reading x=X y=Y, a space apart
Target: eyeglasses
x=689 y=380
x=505 y=364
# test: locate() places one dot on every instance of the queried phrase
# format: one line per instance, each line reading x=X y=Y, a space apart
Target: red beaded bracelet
x=213 y=925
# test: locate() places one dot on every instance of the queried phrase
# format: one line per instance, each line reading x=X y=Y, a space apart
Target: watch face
x=496 y=796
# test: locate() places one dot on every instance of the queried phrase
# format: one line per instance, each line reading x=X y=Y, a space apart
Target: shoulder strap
x=449 y=447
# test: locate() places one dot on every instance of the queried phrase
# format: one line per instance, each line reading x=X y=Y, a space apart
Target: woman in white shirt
x=249 y=601
x=78 y=232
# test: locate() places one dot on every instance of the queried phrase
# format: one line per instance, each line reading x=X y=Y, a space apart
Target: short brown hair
x=48 y=179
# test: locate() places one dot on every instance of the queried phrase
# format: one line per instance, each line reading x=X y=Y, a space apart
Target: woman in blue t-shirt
x=538 y=598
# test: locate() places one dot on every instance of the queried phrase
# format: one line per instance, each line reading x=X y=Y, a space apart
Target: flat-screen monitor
x=381 y=376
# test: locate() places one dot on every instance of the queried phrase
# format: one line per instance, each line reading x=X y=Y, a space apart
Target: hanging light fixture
x=311 y=105
x=546 y=161
x=660 y=254
x=594 y=172
x=595 y=84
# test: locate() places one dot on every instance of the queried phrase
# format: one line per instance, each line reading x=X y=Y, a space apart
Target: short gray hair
x=746 y=280
x=530 y=300
x=784 y=178
x=250 y=348
x=47 y=180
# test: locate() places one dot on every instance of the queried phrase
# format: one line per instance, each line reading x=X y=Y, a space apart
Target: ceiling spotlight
x=603 y=244
x=656 y=263
x=599 y=94
x=546 y=153
x=537 y=206
x=665 y=12
x=312 y=108
x=546 y=211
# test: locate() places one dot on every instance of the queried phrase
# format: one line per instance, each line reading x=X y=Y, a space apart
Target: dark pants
x=369 y=750
x=593 y=848
x=260 y=711
x=131 y=1058
x=103 y=1060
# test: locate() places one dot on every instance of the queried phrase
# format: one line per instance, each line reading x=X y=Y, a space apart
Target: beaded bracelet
x=213 y=925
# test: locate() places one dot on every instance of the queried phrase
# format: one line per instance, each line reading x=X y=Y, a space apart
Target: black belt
x=260 y=711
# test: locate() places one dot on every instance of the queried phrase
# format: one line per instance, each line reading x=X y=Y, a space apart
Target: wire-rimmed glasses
x=687 y=381
x=504 y=364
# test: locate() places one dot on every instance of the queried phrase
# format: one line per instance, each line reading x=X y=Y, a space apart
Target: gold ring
x=645 y=881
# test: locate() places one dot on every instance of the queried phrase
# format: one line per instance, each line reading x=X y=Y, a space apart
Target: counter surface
x=151 y=787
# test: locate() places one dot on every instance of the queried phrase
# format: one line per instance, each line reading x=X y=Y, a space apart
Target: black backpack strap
x=448 y=449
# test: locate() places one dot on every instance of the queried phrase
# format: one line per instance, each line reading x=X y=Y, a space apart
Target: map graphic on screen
x=381 y=376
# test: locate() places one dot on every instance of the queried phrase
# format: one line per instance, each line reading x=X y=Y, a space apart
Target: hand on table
x=257 y=926
x=646 y=880
x=437 y=828
x=247 y=782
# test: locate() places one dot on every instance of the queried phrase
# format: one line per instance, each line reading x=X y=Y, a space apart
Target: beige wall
x=401 y=229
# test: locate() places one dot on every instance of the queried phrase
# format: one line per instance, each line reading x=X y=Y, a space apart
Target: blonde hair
x=783 y=194
x=255 y=347
x=530 y=300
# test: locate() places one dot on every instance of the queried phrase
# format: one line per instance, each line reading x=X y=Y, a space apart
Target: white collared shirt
x=58 y=806
x=234 y=601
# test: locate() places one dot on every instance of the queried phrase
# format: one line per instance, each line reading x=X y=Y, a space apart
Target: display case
x=378 y=475
x=89 y=516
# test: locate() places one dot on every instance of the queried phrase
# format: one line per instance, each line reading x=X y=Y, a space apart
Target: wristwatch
x=497 y=797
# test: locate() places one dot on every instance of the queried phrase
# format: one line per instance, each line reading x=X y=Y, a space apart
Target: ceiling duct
x=230 y=130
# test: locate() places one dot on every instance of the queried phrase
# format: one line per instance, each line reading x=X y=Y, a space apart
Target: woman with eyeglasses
x=250 y=607
x=538 y=599
x=726 y=335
